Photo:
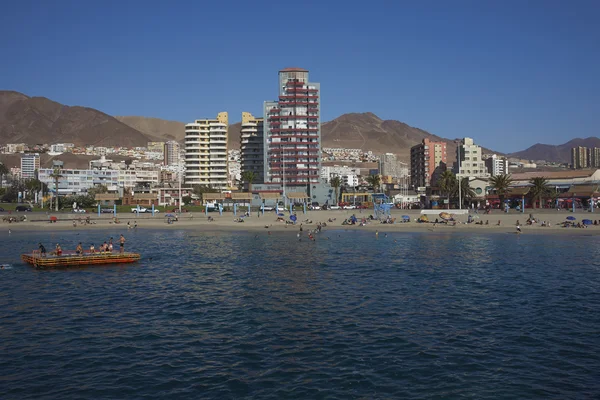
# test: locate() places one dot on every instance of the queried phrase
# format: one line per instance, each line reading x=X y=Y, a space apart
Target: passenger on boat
x=79 y=249
x=92 y=249
x=110 y=245
x=58 y=250
x=122 y=243
x=42 y=250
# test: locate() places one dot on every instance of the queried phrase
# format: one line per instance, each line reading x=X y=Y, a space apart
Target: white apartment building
x=206 y=152
x=30 y=163
x=470 y=162
x=79 y=181
x=496 y=165
x=348 y=175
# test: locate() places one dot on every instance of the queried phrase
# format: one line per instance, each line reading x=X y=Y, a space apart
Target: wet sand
x=268 y=222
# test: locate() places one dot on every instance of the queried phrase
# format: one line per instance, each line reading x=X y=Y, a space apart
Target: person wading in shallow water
x=122 y=243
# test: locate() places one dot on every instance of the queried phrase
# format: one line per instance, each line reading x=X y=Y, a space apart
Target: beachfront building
x=30 y=165
x=427 y=160
x=292 y=132
x=469 y=160
x=206 y=152
x=496 y=165
x=171 y=153
x=252 y=157
x=79 y=181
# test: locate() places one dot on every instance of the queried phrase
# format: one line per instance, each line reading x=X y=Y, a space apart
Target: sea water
x=350 y=315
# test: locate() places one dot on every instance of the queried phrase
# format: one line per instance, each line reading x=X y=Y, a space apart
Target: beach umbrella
x=406 y=217
x=169 y=215
x=281 y=215
x=445 y=215
x=53 y=218
x=571 y=218
x=587 y=222
x=293 y=218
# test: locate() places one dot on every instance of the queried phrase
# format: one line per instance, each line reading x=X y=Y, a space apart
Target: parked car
x=334 y=207
x=23 y=209
x=314 y=206
x=349 y=207
x=141 y=210
x=106 y=210
x=79 y=210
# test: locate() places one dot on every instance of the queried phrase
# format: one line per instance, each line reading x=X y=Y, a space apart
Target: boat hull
x=77 y=260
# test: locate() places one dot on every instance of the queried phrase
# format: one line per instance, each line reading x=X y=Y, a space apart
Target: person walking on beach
x=122 y=243
x=518 y=228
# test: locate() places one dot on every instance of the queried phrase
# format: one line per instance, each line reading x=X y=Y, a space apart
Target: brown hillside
x=37 y=120
x=369 y=132
x=160 y=129
x=556 y=153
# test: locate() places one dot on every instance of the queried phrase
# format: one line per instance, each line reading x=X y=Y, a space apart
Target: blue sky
x=507 y=73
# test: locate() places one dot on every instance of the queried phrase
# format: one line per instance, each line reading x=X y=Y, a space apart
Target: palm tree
x=56 y=175
x=3 y=171
x=447 y=182
x=248 y=177
x=466 y=191
x=336 y=182
x=501 y=184
x=539 y=189
x=375 y=181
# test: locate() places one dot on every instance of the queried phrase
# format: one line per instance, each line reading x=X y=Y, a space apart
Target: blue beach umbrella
x=405 y=217
x=280 y=214
x=587 y=222
x=293 y=218
x=571 y=218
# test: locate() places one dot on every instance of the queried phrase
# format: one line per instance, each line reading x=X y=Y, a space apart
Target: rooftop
x=584 y=173
x=294 y=69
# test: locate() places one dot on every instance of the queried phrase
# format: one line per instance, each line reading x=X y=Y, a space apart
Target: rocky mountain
x=557 y=153
x=37 y=120
x=369 y=132
x=160 y=129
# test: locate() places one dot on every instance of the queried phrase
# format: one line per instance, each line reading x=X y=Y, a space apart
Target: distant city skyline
x=509 y=75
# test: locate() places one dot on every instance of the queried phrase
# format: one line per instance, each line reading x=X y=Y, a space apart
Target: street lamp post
x=458 y=177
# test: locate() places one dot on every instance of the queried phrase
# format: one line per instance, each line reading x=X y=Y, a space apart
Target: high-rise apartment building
x=593 y=157
x=496 y=165
x=470 y=162
x=292 y=131
x=206 y=152
x=579 y=157
x=427 y=160
x=171 y=153
x=252 y=148
x=30 y=165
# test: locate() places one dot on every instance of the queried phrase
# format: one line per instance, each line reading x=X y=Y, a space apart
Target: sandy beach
x=332 y=218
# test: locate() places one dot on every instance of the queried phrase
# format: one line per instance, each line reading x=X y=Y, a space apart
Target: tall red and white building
x=292 y=132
